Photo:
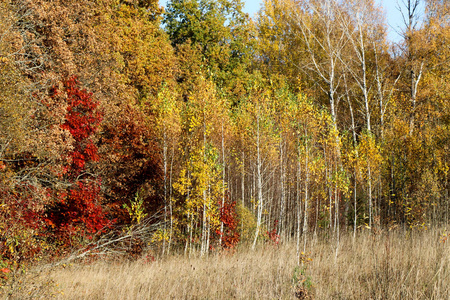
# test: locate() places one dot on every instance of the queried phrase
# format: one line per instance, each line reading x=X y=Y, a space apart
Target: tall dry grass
x=394 y=265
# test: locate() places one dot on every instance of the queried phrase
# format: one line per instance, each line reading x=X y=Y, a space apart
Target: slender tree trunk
x=415 y=79
x=243 y=179
x=170 y=200
x=446 y=203
x=364 y=83
x=299 y=206
x=305 y=220
x=290 y=221
x=410 y=19
x=282 y=200
x=165 y=187
x=379 y=91
x=223 y=184
x=336 y=209
x=208 y=228
x=355 y=220
x=189 y=234
x=330 y=193
x=259 y=181
x=369 y=173
x=357 y=158
x=189 y=226
x=204 y=248
x=446 y=199
x=243 y=187
x=190 y=231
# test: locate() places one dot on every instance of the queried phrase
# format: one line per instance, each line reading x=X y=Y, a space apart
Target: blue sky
x=393 y=16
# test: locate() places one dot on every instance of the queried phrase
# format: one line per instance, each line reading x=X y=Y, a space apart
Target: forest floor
x=387 y=265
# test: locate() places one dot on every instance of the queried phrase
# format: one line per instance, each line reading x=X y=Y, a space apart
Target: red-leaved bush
x=21 y=223
x=272 y=234
x=229 y=217
x=82 y=121
x=78 y=209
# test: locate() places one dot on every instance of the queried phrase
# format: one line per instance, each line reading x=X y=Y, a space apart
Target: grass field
x=394 y=265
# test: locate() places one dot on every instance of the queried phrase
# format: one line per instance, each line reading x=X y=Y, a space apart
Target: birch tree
x=256 y=113
x=411 y=14
x=166 y=110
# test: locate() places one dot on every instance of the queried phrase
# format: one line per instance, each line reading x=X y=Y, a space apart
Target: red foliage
x=21 y=205
x=78 y=211
x=78 y=208
x=273 y=236
x=229 y=217
x=82 y=121
x=20 y=219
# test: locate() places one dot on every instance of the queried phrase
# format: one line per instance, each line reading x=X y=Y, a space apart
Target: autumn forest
x=196 y=128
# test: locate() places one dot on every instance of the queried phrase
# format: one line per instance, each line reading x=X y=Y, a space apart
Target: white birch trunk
x=283 y=195
x=223 y=184
x=305 y=220
x=299 y=206
x=165 y=186
x=259 y=181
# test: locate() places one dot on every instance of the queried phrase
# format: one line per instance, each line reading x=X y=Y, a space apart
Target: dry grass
x=400 y=265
